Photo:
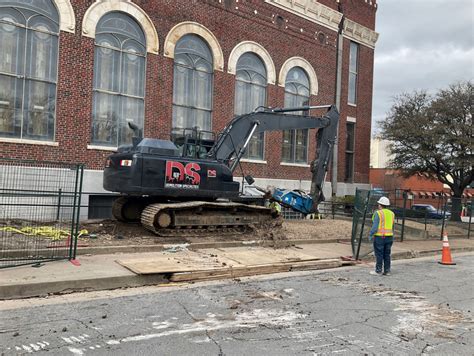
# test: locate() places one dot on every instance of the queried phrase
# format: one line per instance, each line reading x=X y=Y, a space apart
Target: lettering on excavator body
x=179 y=175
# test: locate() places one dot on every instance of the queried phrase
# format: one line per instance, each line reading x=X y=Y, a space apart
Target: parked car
x=421 y=211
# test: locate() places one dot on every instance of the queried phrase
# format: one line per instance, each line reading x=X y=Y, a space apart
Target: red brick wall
x=231 y=23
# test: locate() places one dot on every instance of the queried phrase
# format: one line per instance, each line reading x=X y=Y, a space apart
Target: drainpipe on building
x=340 y=44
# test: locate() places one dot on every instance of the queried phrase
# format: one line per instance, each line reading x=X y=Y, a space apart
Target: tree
x=434 y=135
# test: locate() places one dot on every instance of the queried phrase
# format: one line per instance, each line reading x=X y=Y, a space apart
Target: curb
x=407 y=255
x=19 y=291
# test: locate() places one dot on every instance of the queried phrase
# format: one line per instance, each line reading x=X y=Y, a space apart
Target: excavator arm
x=233 y=141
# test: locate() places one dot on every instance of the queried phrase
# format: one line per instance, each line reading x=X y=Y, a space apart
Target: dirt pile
x=115 y=233
x=111 y=232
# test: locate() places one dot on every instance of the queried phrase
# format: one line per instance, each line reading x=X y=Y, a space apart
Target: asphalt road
x=422 y=308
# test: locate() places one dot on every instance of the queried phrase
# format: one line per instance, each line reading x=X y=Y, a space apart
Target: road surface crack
x=221 y=353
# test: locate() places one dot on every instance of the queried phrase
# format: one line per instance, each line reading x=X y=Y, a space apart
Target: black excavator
x=186 y=186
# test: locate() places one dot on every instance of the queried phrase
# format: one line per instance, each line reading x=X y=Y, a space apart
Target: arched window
x=250 y=93
x=119 y=79
x=29 y=33
x=297 y=92
x=192 y=84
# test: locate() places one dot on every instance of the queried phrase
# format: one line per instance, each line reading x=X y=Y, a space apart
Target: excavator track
x=128 y=209
x=203 y=218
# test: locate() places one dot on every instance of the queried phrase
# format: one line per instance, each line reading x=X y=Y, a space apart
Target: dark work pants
x=382 y=250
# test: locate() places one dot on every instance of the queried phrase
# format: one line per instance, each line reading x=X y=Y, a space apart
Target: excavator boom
x=231 y=144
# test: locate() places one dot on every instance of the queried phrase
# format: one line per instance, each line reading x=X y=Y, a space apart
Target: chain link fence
x=39 y=211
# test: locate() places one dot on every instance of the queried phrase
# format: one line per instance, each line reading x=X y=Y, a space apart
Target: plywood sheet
x=183 y=261
x=329 y=250
x=254 y=256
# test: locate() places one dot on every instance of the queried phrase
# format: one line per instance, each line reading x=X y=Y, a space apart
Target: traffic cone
x=446 y=254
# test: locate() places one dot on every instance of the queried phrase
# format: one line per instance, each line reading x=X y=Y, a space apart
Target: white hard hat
x=384 y=201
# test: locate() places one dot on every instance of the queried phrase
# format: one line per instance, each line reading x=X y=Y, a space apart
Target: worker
x=382 y=229
x=276 y=208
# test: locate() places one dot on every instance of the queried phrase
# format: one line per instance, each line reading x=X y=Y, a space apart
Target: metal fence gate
x=39 y=211
x=364 y=206
x=414 y=219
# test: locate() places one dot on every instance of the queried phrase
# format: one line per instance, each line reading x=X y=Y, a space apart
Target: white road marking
x=162 y=324
x=27 y=348
x=35 y=347
x=76 y=351
x=245 y=320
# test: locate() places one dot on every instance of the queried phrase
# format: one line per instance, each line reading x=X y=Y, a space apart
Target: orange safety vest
x=386 y=218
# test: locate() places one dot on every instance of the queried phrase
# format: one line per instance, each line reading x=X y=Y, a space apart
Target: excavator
x=186 y=186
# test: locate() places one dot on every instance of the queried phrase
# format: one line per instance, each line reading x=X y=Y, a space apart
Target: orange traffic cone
x=446 y=254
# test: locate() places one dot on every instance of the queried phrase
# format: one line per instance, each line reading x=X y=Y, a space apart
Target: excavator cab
x=193 y=142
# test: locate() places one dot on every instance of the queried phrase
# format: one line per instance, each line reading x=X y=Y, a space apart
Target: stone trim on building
x=101 y=7
x=327 y=17
x=250 y=46
x=311 y=10
x=67 y=19
x=29 y=142
x=303 y=63
x=189 y=27
x=360 y=34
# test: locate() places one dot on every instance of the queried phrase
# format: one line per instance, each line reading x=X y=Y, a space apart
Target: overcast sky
x=423 y=44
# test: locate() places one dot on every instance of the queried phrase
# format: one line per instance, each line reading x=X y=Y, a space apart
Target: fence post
x=80 y=169
x=363 y=225
x=354 y=216
x=426 y=216
x=59 y=204
x=74 y=206
x=405 y=195
x=470 y=218
x=395 y=198
x=444 y=218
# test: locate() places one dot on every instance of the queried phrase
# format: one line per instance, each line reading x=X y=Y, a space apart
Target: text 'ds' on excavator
x=186 y=186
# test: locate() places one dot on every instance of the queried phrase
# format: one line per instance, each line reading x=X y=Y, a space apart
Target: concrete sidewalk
x=100 y=272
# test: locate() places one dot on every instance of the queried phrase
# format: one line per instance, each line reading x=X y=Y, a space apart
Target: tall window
x=295 y=142
x=192 y=84
x=250 y=93
x=29 y=32
x=353 y=67
x=119 y=79
x=350 y=146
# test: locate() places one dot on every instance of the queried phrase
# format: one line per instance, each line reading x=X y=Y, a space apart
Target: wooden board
x=226 y=263
x=182 y=261
x=254 y=270
x=255 y=256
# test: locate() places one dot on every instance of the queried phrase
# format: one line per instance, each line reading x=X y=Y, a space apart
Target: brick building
x=74 y=72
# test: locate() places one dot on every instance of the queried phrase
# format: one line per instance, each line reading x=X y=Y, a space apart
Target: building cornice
x=359 y=33
x=311 y=10
x=325 y=16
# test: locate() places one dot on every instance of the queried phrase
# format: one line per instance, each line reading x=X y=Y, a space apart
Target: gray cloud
x=423 y=45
